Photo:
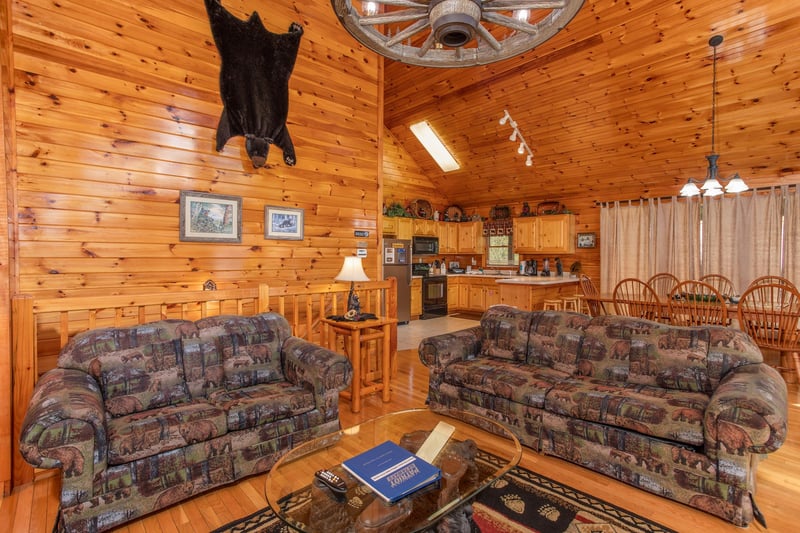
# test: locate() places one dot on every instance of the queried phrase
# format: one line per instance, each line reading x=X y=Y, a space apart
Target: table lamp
x=352 y=271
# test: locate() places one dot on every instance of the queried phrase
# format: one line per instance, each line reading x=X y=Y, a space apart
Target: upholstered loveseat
x=140 y=418
x=681 y=412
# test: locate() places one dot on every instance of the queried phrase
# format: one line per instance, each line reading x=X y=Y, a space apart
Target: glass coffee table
x=476 y=454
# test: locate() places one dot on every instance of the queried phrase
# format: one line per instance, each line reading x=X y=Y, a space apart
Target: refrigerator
x=397 y=263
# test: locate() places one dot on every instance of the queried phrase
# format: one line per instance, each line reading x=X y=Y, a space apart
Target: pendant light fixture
x=712 y=186
x=453 y=33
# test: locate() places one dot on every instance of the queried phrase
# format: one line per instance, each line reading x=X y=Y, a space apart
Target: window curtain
x=791 y=234
x=640 y=239
x=742 y=236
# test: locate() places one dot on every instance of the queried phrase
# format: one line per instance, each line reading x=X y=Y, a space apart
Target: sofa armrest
x=747 y=412
x=322 y=369
x=64 y=428
x=439 y=351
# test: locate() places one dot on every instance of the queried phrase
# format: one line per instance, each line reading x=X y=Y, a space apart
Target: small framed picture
x=587 y=240
x=283 y=223
x=210 y=217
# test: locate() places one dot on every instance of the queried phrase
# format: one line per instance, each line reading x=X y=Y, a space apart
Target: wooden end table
x=355 y=334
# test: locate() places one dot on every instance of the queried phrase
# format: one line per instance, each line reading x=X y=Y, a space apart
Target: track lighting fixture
x=516 y=135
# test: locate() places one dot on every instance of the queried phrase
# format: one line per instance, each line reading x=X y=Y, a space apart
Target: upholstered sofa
x=140 y=418
x=683 y=412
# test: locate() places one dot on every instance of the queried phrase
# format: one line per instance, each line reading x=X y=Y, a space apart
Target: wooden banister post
x=23 y=360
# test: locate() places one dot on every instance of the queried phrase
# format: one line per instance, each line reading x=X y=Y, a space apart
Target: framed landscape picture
x=283 y=223
x=587 y=240
x=210 y=217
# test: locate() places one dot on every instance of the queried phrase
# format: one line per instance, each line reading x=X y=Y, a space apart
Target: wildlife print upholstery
x=256 y=65
x=678 y=411
x=142 y=417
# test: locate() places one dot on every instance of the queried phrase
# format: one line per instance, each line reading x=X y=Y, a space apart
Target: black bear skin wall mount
x=254 y=82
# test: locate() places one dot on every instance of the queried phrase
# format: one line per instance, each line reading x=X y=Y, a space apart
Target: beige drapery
x=644 y=237
x=791 y=234
x=743 y=237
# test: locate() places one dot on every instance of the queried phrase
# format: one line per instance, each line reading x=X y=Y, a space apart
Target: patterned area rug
x=520 y=501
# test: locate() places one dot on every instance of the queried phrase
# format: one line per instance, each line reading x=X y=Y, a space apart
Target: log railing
x=41 y=327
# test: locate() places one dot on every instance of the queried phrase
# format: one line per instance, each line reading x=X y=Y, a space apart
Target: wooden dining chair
x=696 y=303
x=770 y=314
x=633 y=297
x=723 y=285
x=766 y=280
x=662 y=283
x=592 y=296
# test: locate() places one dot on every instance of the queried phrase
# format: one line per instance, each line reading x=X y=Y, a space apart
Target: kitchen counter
x=534 y=280
x=519 y=280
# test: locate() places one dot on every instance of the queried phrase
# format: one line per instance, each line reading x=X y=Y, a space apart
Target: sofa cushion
x=506 y=332
x=519 y=382
x=250 y=347
x=254 y=406
x=148 y=433
x=202 y=363
x=138 y=368
x=658 y=412
x=555 y=339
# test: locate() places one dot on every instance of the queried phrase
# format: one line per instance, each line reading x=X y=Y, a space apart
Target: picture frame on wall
x=208 y=217
x=283 y=223
x=587 y=240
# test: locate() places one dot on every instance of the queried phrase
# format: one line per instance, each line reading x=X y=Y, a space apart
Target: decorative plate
x=453 y=213
x=421 y=209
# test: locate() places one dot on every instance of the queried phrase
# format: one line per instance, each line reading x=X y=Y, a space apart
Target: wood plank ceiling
x=617 y=105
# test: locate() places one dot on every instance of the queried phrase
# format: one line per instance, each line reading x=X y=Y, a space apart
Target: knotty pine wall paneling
x=114 y=112
x=6 y=250
x=117 y=109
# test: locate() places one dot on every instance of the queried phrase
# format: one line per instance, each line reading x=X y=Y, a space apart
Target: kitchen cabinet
x=424 y=227
x=470 y=237
x=516 y=295
x=463 y=295
x=448 y=237
x=476 y=298
x=545 y=234
x=398 y=227
x=491 y=296
x=453 y=286
x=389 y=226
x=416 y=297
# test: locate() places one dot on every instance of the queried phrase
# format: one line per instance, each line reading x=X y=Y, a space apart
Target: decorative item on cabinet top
x=498 y=227
x=453 y=214
x=550 y=208
x=500 y=212
x=421 y=209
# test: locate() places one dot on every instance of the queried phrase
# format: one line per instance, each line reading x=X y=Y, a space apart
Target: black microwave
x=424 y=246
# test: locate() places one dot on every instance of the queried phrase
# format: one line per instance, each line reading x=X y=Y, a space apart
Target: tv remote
x=332 y=481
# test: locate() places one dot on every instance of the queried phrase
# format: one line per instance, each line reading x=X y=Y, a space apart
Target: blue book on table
x=392 y=472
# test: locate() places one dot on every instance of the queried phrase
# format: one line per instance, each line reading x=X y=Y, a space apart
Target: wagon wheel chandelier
x=453 y=33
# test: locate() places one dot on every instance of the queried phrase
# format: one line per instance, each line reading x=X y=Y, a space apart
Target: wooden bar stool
x=570 y=303
x=552 y=304
x=583 y=305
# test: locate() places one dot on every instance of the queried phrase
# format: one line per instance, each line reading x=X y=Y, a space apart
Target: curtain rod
x=754 y=189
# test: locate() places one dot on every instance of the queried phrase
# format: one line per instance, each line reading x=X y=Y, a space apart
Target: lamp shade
x=351 y=270
x=690 y=189
x=736 y=184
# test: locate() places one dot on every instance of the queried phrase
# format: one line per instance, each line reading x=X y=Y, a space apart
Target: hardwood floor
x=32 y=507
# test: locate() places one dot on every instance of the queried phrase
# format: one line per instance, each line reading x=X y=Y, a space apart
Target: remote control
x=332 y=481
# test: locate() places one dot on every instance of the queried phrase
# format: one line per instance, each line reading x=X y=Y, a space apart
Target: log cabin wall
x=111 y=109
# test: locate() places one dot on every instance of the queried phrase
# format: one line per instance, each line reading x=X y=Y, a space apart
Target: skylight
x=433 y=144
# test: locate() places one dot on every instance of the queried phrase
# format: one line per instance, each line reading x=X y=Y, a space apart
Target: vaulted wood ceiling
x=617 y=105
